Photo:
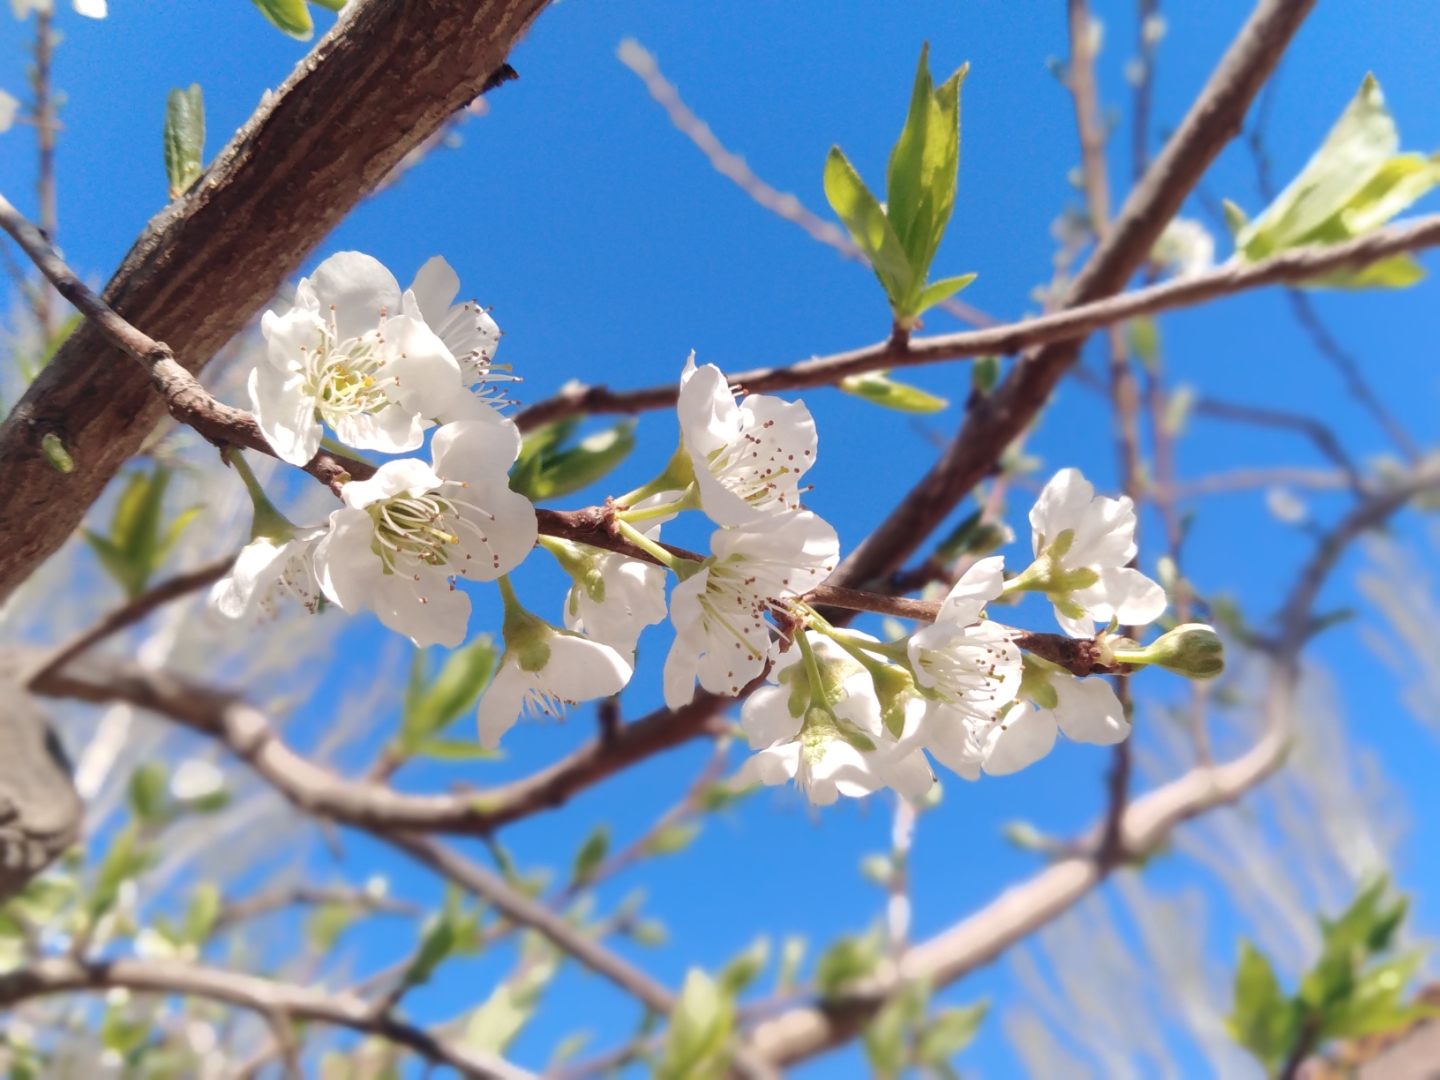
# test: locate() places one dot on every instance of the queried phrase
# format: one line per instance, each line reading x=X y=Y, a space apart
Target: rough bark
x=386 y=77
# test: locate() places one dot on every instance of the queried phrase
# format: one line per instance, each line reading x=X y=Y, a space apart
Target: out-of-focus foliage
x=139 y=540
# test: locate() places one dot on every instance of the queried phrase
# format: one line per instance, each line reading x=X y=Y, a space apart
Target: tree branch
x=1062 y=326
x=43 y=978
x=372 y=89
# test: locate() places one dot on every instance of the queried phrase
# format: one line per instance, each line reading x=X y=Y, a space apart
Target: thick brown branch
x=43 y=978
x=372 y=89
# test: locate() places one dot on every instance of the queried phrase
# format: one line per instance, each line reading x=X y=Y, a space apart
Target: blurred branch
x=132 y=613
x=281 y=898
x=1324 y=439
x=42 y=978
x=1245 y=479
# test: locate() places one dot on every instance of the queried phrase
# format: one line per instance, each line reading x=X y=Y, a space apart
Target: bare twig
x=1067 y=324
x=42 y=978
x=1324 y=439
x=47 y=126
x=278 y=899
x=491 y=887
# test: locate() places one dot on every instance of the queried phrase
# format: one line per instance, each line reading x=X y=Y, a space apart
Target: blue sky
x=609 y=248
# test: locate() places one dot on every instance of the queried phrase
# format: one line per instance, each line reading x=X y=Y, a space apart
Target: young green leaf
x=738 y=975
x=850 y=958
x=591 y=854
x=1262 y=1021
x=700 y=1026
x=878 y=388
x=547 y=469
x=868 y=226
x=137 y=546
x=184 y=138
x=949 y=1031
x=433 y=704
x=147 y=793
x=291 y=16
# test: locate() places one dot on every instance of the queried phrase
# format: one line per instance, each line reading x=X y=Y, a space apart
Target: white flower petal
x=427 y=378
x=1025 y=736
x=766 y=717
x=435 y=287
x=356 y=291
x=980 y=584
x=406 y=476
x=583 y=670
x=285 y=414
x=473 y=450
x=501 y=703
x=390 y=430
x=1088 y=711
x=429 y=611
x=344 y=561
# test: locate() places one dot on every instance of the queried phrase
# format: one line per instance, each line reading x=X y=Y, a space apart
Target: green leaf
x=984 y=374
x=547 y=469
x=331 y=5
x=921 y=176
x=136 y=545
x=700 y=1026
x=432 y=705
x=878 y=388
x=591 y=854
x=325 y=925
x=737 y=975
x=127 y=858
x=1396 y=272
x=1144 y=338
x=848 y=960
x=184 y=138
x=673 y=838
x=147 y=793
x=291 y=16
x=938 y=291
x=869 y=227
x=1263 y=1020
x=792 y=955
x=950 y=1031
x=454 y=750
x=204 y=910
x=1361 y=141
x=496 y=1023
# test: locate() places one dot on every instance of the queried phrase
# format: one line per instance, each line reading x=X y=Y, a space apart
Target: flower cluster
x=836 y=711
x=377 y=367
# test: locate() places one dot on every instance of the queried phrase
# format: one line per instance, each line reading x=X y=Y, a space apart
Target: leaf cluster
x=551 y=465
x=139 y=540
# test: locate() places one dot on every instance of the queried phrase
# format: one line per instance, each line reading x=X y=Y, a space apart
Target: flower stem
x=679 y=474
x=269 y=522
x=689 y=500
x=681 y=567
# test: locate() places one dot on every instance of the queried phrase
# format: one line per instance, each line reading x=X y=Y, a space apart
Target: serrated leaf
x=184 y=138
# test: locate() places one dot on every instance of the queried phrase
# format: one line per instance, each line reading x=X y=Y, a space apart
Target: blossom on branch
x=1051 y=700
x=819 y=724
x=543 y=670
x=407 y=534
x=1083 y=543
x=353 y=354
x=266 y=570
x=466 y=328
x=721 y=636
x=748 y=457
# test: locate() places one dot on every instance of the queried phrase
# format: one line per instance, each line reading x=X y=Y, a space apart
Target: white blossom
x=407 y=534
x=195 y=779
x=353 y=354
x=836 y=748
x=91 y=9
x=9 y=108
x=1086 y=710
x=748 y=458
x=543 y=670
x=631 y=596
x=721 y=636
x=466 y=328
x=1083 y=543
x=1184 y=249
x=266 y=570
x=962 y=661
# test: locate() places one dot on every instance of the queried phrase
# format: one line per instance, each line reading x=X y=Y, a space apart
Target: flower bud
x=1192 y=649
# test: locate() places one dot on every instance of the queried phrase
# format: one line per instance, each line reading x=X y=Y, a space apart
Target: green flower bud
x=1192 y=649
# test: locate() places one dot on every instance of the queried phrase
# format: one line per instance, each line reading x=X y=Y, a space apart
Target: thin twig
x=278 y=899
x=1067 y=324
x=1324 y=439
